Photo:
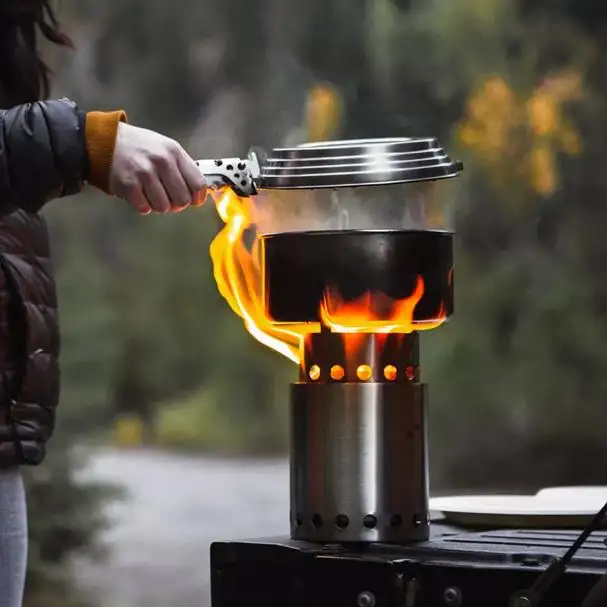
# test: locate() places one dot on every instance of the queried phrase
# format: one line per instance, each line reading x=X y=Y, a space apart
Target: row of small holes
x=241 y=165
x=229 y=167
x=363 y=372
x=342 y=521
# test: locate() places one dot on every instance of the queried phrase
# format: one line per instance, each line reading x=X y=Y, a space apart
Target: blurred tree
x=588 y=14
x=519 y=371
x=170 y=320
x=89 y=348
x=144 y=59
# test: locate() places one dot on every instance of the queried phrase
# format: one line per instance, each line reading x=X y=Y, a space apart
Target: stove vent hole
x=390 y=372
x=316 y=521
x=364 y=372
x=396 y=520
x=337 y=373
x=370 y=521
x=342 y=521
x=421 y=519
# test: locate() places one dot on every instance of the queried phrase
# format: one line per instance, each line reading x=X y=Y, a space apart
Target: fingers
x=181 y=180
x=154 y=173
x=174 y=183
x=200 y=198
x=138 y=201
x=193 y=178
x=155 y=193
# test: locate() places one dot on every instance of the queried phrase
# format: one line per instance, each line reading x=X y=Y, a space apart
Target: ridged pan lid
x=356 y=162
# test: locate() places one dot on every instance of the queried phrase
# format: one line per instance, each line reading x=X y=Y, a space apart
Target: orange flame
x=364 y=315
x=238 y=273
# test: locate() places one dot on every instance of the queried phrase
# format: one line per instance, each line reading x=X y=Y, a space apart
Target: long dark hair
x=24 y=76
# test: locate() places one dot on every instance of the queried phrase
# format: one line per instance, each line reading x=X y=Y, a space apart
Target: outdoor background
x=172 y=424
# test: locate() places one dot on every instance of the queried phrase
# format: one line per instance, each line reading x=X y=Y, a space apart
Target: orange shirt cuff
x=100 y=133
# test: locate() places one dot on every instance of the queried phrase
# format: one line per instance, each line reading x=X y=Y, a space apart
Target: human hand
x=154 y=173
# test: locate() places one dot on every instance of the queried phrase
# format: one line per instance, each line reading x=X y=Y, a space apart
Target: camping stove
x=359 y=469
x=363 y=238
x=358 y=444
x=358 y=257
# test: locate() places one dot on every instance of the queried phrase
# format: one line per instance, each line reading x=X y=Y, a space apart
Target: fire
x=238 y=273
x=376 y=313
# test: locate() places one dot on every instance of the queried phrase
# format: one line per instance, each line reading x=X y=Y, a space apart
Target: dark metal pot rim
x=359 y=233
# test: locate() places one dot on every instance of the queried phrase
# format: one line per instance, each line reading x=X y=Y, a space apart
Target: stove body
x=358 y=447
x=360 y=527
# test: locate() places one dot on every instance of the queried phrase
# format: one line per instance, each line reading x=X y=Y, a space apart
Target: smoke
x=414 y=206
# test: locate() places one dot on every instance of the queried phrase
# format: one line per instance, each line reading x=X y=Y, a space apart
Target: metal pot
x=357 y=216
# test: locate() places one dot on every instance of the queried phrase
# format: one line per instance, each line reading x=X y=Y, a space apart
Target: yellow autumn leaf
x=490 y=117
x=468 y=135
x=323 y=112
x=497 y=125
x=543 y=170
x=493 y=97
x=543 y=114
x=497 y=90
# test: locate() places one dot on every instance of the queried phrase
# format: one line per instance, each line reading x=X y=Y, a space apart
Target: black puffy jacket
x=42 y=156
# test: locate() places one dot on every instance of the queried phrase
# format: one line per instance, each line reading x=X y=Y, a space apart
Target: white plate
x=561 y=507
x=589 y=494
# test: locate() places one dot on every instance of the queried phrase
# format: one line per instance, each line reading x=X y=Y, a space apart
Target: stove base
x=452 y=569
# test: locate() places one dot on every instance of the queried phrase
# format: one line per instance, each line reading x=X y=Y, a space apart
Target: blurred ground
x=177 y=505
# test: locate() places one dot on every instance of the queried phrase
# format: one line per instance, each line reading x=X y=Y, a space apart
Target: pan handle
x=237 y=173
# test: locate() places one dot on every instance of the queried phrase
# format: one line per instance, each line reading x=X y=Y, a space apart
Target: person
x=49 y=149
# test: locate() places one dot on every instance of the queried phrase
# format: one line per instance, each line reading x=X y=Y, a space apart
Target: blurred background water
x=158 y=542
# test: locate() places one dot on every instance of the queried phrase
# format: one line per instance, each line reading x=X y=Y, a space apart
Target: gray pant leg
x=13 y=538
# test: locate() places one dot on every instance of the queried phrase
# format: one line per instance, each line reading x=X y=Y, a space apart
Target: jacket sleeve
x=42 y=154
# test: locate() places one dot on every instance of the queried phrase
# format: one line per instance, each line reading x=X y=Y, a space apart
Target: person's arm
x=100 y=133
x=49 y=149
x=42 y=154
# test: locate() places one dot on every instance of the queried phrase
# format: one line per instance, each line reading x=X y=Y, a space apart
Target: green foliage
x=243 y=406
x=519 y=373
x=143 y=55
x=199 y=423
x=169 y=310
x=89 y=349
